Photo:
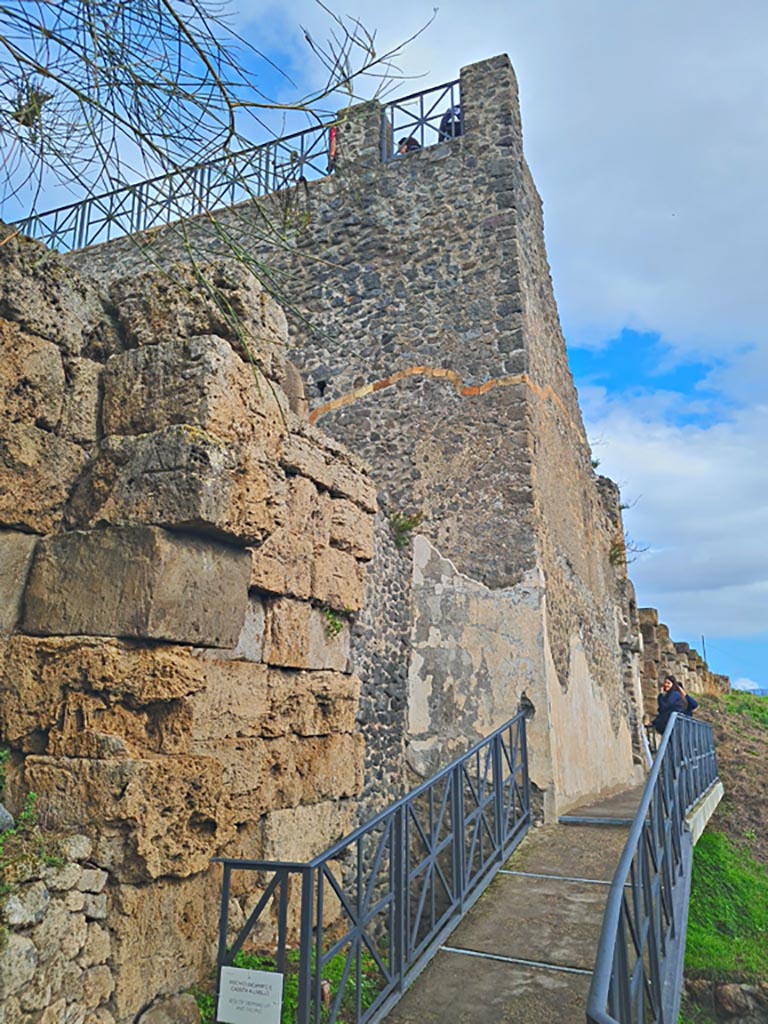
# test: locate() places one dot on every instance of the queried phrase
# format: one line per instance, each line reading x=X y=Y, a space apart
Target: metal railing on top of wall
x=420 y=120
x=353 y=927
x=427 y=117
x=214 y=185
x=639 y=969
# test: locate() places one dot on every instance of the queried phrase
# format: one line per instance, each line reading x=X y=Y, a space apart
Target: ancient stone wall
x=429 y=343
x=56 y=949
x=661 y=655
x=182 y=558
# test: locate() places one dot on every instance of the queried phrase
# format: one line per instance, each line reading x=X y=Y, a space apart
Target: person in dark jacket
x=671 y=698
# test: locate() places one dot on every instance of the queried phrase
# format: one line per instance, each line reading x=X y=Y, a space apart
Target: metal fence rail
x=638 y=973
x=353 y=927
x=424 y=118
x=217 y=184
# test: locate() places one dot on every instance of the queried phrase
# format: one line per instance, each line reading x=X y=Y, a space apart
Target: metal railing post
x=305 y=946
x=457 y=821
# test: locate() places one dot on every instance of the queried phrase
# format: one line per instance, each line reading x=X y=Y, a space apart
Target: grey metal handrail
x=638 y=973
x=374 y=908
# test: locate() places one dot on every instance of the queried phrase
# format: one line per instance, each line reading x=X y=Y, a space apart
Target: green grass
x=728 y=914
x=738 y=702
x=370 y=982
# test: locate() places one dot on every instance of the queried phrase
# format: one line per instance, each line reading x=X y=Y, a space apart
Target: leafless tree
x=95 y=94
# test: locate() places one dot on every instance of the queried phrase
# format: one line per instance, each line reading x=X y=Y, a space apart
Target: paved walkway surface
x=525 y=952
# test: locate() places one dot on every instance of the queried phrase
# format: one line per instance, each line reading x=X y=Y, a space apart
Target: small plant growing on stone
x=333 y=623
x=403 y=527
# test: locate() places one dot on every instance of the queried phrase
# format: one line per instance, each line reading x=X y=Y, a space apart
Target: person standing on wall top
x=450 y=124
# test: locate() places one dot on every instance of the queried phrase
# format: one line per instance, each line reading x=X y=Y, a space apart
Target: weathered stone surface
x=31 y=378
x=152 y=817
x=164 y=938
x=76 y=847
x=263 y=775
x=62 y=879
x=282 y=564
x=37 y=472
x=338 y=580
x=80 y=412
x=92 y=880
x=25 y=906
x=150 y=583
x=300 y=636
x=18 y=962
x=60 y=934
x=181 y=478
x=311 y=455
x=247 y=700
x=155 y=307
x=195 y=381
x=41 y=293
x=16 y=550
x=351 y=529
x=301 y=833
x=97 y=945
x=181 y=1009
x=98 y=985
x=36 y=675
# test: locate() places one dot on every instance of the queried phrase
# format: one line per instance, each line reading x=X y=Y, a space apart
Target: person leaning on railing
x=672 y=697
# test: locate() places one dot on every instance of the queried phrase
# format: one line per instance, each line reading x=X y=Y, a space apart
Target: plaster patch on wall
x=591 y=757
x=474 y=651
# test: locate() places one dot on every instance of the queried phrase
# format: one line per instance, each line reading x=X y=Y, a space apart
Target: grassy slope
x=728 y=919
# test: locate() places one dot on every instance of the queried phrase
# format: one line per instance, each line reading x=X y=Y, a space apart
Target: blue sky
x=646 y=128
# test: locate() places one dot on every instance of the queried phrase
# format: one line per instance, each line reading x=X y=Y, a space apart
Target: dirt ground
x=742 y=760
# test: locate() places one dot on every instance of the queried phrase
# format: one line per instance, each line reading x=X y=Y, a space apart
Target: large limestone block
x=151 y=818
x=93 y=726
x=198 y=381
x=181 y=478
x=163 y=938
x=32 y=381
x=351 y=529
x=301 y=833
x=242 y=699
x=138 y=582
x=47 y=298
x=282 y=563
x=16 y=551
x=37 y=473
x=300 y=636
x=313 y=455
x=222 y=298
x=250 y=645
x=265 y=774
x=38 y=673
x=338 y=580
x=80 y=413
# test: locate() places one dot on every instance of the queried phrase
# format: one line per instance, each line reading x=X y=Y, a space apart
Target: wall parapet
x=662 y=655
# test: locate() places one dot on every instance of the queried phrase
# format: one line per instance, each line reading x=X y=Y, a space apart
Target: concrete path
x=524 y=953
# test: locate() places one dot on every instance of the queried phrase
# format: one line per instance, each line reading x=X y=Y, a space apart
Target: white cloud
x=744 y=684
x=698 y=498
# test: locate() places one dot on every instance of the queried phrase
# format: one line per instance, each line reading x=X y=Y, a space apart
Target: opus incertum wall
x=427 y=335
